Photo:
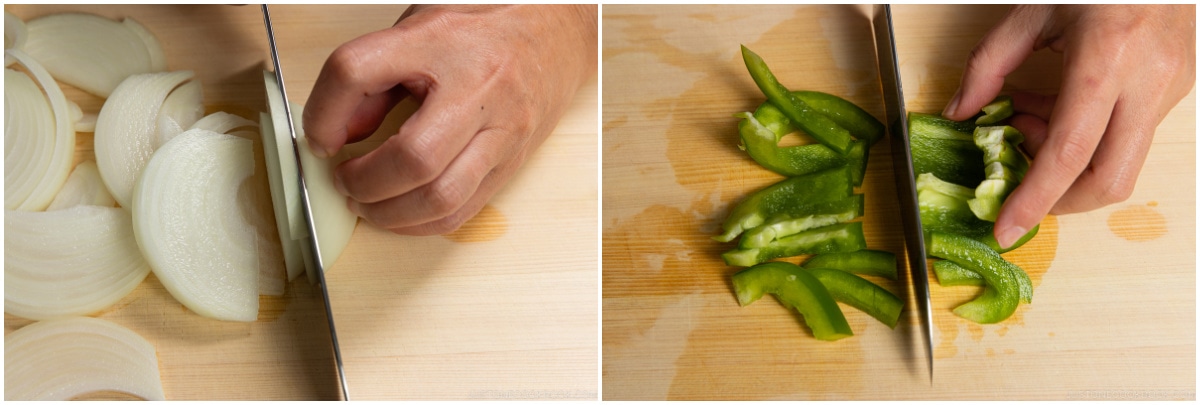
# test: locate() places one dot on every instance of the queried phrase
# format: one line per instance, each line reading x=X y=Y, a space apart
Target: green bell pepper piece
x=802 y=218
x=936 y=127
x=1001 y=293
x=1005 y=166
x=778 y=198
x=951 y=274
x=762 y=143
x=857 y=292
x=866 y=261
x=795 y=288
x=803 y=116
x=861 y=124
x=990 y=239
x=998 y=110
x=942 y=212
x=945 y=148
x=844 y=237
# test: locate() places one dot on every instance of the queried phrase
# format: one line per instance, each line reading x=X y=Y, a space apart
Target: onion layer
x=14 y=35
x=182 y=108
x=62 y=359
x=191 y=228
x=90 y=52
x=83 y=187
x=37 y=158
x=69 y=262
x=127 y=129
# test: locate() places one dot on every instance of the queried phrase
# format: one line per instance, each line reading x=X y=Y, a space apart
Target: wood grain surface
x=504 y=308
x=1114 y=312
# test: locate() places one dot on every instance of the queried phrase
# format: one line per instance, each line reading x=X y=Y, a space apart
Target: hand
x=493 y=81
x=1124 y=68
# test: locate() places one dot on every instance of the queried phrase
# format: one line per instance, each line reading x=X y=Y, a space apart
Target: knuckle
x=413 y=159
x=344 y=63
x=444 y=197
x=1074 y=153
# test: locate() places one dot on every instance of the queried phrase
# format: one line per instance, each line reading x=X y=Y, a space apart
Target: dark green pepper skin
x=870 y=262
x=795 y=288
x=861 y=124
x=946 y=149
x=952 y=274
x=803 y=116
x=857 y=292
x=780 y=197
x=802 y=218
x=1002 y=291
x=844 y=237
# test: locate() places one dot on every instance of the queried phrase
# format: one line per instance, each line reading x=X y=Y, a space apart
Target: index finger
x=360 y=71
x=1078 y=121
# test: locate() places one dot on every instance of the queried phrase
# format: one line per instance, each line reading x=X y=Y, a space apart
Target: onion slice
x=191 y=227
x=69 y=262
x=83 y=187
x=222 y=122
x=88 y=51
x=62 y=359
x=127 y=129
x=14 y=35
x=180 y=110
x=38 y=159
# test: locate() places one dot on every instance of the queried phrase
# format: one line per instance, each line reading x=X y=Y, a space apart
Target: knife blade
x=315 y=263
x=896 y=116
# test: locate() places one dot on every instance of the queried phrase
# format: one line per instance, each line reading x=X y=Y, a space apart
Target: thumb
x=999 y=53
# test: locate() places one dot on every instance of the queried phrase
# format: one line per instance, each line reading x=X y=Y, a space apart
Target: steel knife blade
x=896 y=118
x=314 y=262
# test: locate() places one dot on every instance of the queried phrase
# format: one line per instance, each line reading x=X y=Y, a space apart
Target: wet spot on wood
x=488 y=224
x=1138 y=223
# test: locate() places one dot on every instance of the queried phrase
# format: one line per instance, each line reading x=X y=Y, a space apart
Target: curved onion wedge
x=14 y=35
x=66 y=358
x=126 y=129
x=182 y=108
x=37 y=158
x=292 y=259
x=69 y=262
x=83 y=187
x=158 y=61
x=191 y=228
x=331 y=217
x=222 y=122
x=88 y=51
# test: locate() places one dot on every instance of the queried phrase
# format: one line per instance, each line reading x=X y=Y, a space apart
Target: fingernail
x=338 y=184
x=317 y=150
x=953 y=106
x=1009 y=236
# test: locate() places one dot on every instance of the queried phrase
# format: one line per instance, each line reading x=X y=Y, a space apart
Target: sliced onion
x=272 y=276
x=182 y=108
x=158 y=61
x=88 y=51
x=292 y=260
x=191 y=228
x=126 y=129
x=83 y=187
x=331 y=217
x=222 y=122
x=63 y=359
x=14 y=35
x=279 y=148
x=69 y=262
x=38 y=159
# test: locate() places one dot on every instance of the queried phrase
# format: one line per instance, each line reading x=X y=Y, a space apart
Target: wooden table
x=1115 y=304
x=504 y=308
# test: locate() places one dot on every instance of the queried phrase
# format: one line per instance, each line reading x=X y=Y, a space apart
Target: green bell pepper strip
x=803 y=116
x=1001 y=293
x=857 y=292
x=762 y=143
x=936 y=127
x=802 y=218
x=998 y=110
x=778 y=198
x=869 y=262
x=795 y=288
x=930 y=181
x=844 y=237
x=951 y=274
x=859 y=122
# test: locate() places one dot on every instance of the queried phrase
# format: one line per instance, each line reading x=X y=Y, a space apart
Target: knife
x=317 y=266
x=893 y=101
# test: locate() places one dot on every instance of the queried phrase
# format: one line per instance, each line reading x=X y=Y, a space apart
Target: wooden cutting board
x=504 y=308
x=1113 y=315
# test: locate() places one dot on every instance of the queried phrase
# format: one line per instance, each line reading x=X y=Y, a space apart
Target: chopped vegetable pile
x=811 y=212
